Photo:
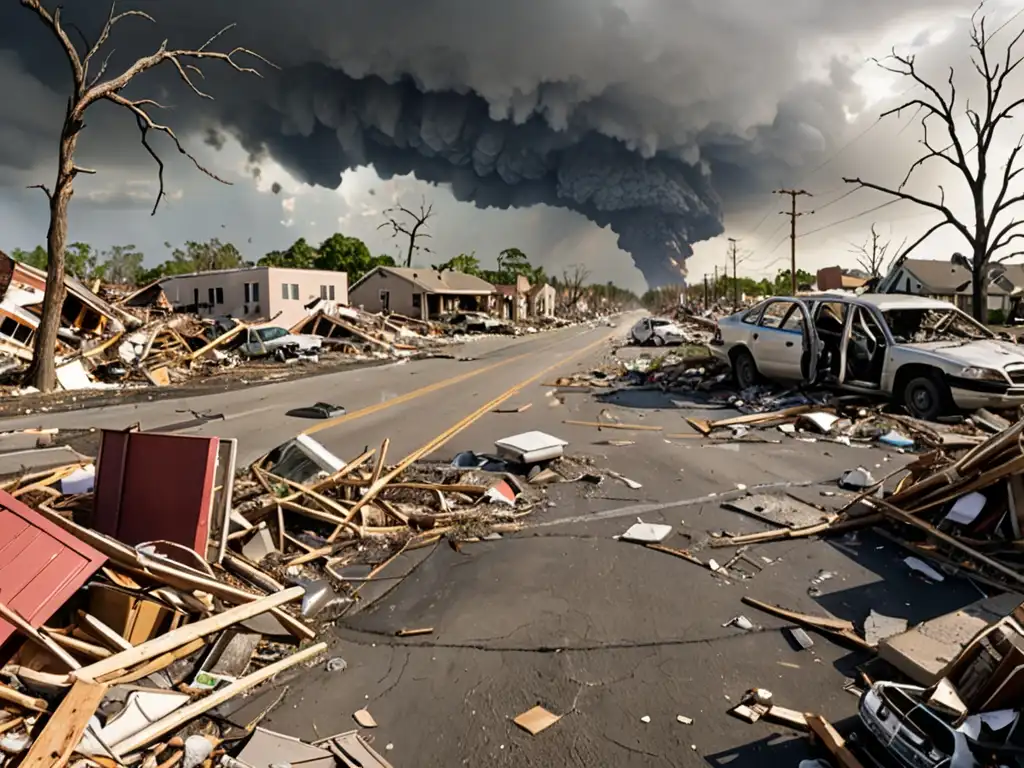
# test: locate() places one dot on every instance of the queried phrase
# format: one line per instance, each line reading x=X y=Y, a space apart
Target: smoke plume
x=650 y=117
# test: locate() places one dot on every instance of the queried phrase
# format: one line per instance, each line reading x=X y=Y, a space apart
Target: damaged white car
x=657 y=331
x=921 y=352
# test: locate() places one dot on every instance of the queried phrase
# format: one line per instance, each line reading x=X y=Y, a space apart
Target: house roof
x=940 y=277
x=539 y=287
x=75 y=288
x=433 y=281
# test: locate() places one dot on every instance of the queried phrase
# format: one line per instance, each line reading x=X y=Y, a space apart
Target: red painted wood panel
x=152 y=486
x=41 y=565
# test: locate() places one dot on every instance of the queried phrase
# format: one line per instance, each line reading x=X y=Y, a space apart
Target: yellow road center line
x=384 y=405
x=452 y=431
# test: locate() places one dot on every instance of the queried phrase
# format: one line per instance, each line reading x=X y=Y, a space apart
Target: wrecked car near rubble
x=921 y=352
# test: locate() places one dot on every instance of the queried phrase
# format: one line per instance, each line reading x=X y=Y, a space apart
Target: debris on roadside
x=535 y=720
x=193 y=585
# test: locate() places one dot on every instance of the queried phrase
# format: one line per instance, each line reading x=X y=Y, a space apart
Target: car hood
x=303 y=338
x=672 y=330
x=983 y=353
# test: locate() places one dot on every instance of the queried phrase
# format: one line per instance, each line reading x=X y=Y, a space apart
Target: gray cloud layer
x=648 y=116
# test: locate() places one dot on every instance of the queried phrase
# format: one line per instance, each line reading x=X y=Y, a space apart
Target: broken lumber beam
x=102 y=632
x=935 y=533
x=832 y=741
x=613 y=425
x=836 y=526
x=182 y=635
x=12 y=696
x=17 y=621
x=840 y=629
x=59 y=738
x=169 y=573
x=181 y=716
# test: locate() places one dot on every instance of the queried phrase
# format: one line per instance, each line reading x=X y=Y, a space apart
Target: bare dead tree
x=88 y=89
x=992 y=230
x=574 y=280
x=408 y=223
x=873 y=252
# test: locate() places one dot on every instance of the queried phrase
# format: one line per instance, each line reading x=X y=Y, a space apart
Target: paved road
x=410 y=402
x=601 y=632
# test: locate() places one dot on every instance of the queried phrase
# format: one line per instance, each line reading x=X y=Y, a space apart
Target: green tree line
x=123 y=264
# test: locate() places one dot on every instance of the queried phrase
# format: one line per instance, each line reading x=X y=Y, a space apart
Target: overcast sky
x=751 y=99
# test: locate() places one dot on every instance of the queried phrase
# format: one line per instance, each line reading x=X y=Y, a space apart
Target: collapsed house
x=86 y=319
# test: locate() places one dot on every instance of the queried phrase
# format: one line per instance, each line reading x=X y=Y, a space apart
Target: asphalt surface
x=599 y=631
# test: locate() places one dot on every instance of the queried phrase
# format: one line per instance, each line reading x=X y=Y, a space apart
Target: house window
x=416 y=300
x=252 y=293
x=284 y=290
x=330 y=292
x=294 y=291
x=323 y=291
x=14 y=330
x=908 y=285
x=219 y=294
x=195 y=299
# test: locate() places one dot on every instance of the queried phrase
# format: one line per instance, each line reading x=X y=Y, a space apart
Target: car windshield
x=931 y=324
x=656 y=323
x=269 y=334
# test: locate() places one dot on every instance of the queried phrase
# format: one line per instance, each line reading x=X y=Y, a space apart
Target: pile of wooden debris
x=146 y=597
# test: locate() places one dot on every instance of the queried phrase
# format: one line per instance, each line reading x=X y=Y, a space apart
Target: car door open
x=785 y=344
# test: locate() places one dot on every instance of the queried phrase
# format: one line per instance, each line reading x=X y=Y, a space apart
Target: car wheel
x=744 y=369
x=925 y=397
x=659 y=341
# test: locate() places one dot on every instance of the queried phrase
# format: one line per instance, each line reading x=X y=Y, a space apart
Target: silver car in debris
x=922 y=352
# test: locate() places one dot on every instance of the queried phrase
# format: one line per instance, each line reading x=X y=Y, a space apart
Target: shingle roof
x=944 y=278
x=433 y=281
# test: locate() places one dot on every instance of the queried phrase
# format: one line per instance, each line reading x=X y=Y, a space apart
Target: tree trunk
x=42 y=373
x=979 y=290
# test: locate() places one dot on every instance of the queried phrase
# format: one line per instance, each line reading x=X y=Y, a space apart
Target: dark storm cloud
x=647 y=116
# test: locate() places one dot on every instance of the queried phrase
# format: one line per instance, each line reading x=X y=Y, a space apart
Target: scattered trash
x=646 y=533
x=645 y=719
x=740 y=622
x=364 y=718
x=920 y=566
x=535 y=720
x=337 y=664
x=684 y=720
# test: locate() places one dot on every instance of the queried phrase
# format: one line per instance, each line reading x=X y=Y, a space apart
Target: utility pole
x=792 y=213
x=735 y=279
x=714 y=286
x=705 y=290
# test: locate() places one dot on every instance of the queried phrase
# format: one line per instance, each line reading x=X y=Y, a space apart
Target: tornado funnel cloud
x=321 y=123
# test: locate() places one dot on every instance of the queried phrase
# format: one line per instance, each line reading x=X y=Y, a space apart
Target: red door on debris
x=41 y=565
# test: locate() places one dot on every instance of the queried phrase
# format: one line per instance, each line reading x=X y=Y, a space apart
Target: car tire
x=744 y=369
x=926 y=397
x=658 y=341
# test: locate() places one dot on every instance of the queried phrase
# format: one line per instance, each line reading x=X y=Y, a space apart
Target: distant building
x=839 y=279
x=542 y=298
x=513 y=300
x=953 y=283
x=253 y=294
x=420 y=293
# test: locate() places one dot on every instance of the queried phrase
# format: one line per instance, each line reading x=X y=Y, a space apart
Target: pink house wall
x=276 y=289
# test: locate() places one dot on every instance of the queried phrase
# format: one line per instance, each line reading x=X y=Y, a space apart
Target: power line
x=850 y=218
x=833 y=202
